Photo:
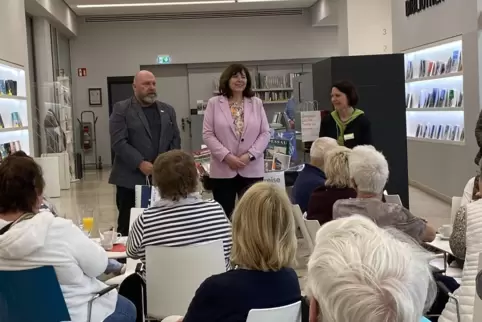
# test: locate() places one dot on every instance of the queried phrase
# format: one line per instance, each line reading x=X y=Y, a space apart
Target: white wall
x=448 y=19
x=13 y=38
x=118 y=49
x=56 y=11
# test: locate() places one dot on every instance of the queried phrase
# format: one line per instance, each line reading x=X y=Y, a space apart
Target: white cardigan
x=466 y=292
x=47 y=240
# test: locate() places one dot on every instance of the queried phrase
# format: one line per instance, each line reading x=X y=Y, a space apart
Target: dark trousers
x=125 y=199
x=226 y=190
x=133 y=288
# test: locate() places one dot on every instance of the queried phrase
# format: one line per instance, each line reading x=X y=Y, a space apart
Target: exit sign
x=164 y=59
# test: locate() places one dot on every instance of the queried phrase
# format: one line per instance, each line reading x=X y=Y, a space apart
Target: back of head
x=368 y=169
x=319 y=149
x=359 y=272
x=20 y=153
x=21 y=185
x=264 y=236
x=336 y=167
x=175 y=175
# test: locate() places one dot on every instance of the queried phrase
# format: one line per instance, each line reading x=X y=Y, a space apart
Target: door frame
x=113 y=81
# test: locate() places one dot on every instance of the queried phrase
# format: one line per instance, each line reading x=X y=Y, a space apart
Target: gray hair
x=359 y=272
x=336 y=167
x=368 y=169
x=319 y=148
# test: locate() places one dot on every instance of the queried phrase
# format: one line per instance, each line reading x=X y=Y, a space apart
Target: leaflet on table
x=202 y=158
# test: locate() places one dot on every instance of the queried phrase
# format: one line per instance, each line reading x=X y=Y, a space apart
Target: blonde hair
x=264 y=237
x=337 y=169
x=318 y=150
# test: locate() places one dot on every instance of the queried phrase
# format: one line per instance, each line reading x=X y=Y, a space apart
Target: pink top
x=219 y=134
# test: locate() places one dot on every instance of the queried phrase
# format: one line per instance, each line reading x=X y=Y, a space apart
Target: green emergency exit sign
x=164 y=59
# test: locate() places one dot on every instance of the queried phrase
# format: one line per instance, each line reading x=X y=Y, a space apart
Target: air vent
x=194 y=15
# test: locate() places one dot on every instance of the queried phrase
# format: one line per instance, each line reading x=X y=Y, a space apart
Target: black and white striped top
x=186 y=222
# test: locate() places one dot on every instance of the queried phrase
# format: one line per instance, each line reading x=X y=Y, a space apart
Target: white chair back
x=312 y=226
x=174 y=274
x=393 y=199
x=135 y=213
x=456 y=202
x=288 y=313
x=478 y=301
x=300 y=221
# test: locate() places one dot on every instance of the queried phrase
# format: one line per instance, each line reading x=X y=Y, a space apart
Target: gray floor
x=93 y=195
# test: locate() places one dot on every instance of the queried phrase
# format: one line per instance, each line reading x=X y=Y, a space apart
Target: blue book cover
x=146 y=196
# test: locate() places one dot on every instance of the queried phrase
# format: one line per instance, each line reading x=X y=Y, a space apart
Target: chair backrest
x=288 y=313
x=456 y=202
x=175 y=273
x=300 y=221
x=135 y=213
x=313 y=226
x=23 y=296
x=393 y=199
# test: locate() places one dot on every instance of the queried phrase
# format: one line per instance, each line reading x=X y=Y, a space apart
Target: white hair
x=319 y=148
x=359 y=272
x=368 y=169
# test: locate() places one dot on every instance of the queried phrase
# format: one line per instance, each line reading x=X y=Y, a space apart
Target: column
x=364 y=27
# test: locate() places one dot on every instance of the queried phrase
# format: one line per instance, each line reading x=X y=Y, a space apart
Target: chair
x=23 y=296
x=313 y=226
x=300 y=221
x=393 y=199
x=288 y=313
x=131 y=264
x=456 y=202
x=173 y=274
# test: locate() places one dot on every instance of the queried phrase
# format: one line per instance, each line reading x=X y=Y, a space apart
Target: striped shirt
x=182 y=223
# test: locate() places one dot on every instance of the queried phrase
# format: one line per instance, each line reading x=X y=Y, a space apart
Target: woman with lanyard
x=347 y=124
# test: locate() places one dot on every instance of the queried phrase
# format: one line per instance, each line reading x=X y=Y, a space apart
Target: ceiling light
x=153 y=4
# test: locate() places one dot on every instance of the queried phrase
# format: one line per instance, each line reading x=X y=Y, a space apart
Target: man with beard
x=141 y=128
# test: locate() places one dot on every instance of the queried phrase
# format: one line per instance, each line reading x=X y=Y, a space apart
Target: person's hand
x=245 y=158
x=234 y=162
x=146 y=168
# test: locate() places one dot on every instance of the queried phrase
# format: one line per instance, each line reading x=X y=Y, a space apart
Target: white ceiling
x=267 y=4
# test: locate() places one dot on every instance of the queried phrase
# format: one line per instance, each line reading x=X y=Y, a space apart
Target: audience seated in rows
x=369 y=175
x=264 y=248
x=312 y=175
x=180 y=218
x=29 y=239
x=466 y=243
x=359 y=272
x=336 y=187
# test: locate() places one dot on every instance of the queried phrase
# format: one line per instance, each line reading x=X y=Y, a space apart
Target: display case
x=434 y=89
x=14 y=127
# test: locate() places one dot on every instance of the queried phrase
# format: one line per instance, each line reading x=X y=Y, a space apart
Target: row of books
x=429 y=68
x=274 y=96
x=440 y=132
x=8 y=148
x=260 y=81
x=437 y=97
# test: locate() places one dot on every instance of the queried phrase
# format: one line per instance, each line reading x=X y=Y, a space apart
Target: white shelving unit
x=14 y=102
x=434 y=91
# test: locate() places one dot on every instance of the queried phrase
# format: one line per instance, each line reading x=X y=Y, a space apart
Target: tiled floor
x=94 y=195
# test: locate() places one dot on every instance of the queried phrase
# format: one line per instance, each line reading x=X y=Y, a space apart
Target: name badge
x=350 y=136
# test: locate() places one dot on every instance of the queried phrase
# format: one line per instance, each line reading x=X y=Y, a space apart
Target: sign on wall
x=415 y=6
x=164 y=59
x=81 y=72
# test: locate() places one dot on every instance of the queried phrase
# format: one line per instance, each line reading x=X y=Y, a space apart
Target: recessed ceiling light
x=152 y=4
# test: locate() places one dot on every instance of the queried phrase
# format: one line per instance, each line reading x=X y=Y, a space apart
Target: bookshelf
x=434 y=82
x=14 y=127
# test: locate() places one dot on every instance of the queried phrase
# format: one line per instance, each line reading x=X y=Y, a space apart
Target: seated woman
x=359 y=272
x=337 y=186
x=264 y=248
x=180 y=218
x=369 y=175
x=30 y=239
x=312 y=175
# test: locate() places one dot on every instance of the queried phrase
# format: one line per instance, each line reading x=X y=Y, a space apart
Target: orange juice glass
x=88 y=223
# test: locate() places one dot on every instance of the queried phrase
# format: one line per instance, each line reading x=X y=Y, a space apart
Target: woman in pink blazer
x=236 y=131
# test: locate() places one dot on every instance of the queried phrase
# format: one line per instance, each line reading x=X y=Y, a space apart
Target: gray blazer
x=131 y=140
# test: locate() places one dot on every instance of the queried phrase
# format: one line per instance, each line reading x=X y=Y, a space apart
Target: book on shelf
x=409 y=72
x=408 y=100
x=202 y=159
x=281 y=161
x=440 y=132
x=16 y=121
x=277 y=146
x=429 y=68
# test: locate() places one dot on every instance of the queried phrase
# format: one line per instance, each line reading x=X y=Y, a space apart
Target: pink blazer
x=219 y=135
